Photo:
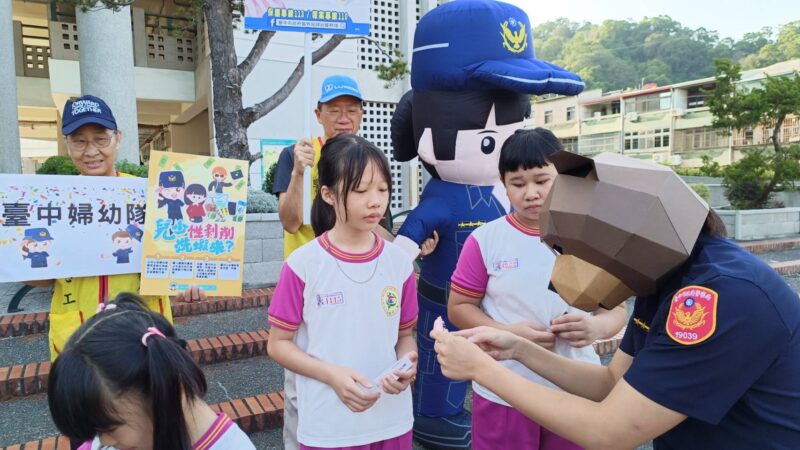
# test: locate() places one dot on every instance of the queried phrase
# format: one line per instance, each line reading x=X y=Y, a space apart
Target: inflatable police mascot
x=472 y=76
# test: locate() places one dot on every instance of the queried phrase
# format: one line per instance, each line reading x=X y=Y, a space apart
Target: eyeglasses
x=349 y=113
x=79 y=145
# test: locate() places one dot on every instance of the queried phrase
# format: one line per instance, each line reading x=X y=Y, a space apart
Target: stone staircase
x=227 y=335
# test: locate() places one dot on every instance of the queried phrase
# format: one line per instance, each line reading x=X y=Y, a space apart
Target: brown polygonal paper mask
x=635 y=220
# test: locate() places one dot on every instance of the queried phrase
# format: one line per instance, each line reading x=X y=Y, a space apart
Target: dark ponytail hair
x=342 y=163
x=105 y=360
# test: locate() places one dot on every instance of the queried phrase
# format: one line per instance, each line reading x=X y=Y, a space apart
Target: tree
x=752 y=180
x=231 y=117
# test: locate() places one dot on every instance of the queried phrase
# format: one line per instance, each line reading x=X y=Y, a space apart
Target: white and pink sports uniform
x=223 y=434
x=347 y=309
x=505 y=264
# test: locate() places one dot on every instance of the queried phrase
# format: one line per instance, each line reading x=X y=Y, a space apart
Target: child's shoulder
x=394 y=252
x=307 y=252
x=495 y=226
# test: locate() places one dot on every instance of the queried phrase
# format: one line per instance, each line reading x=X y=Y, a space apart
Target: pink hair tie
x=104 y=307
x=152 y=331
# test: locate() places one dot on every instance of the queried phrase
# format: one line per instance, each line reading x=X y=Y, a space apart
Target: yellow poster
x=194 y=224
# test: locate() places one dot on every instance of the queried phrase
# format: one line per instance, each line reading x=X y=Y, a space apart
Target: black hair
x=105 y=359
x=194 y=189
x=714 y=225
x=527 y=149
x=342 y=163
x=446 y=113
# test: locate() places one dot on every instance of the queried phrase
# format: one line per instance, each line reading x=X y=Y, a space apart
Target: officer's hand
x=193 y=294
x=499 y=344
x=535 y=333
x=303 y=156
x=579 y=330
x=460 y=359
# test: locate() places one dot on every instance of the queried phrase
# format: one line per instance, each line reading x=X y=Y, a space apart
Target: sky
x=730 y=18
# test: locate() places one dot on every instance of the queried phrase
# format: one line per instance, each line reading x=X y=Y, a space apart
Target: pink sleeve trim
x=286 y=306
x=470 y=277
x=409 y=309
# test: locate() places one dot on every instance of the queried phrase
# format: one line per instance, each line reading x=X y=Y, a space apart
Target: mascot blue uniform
x=472 y=76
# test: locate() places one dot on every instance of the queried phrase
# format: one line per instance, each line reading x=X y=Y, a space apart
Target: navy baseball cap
x=483 y=45
x=85 y=110
x=338 y=85
x=38 y=234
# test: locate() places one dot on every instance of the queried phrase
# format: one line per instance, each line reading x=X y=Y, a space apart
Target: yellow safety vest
x=304 y=234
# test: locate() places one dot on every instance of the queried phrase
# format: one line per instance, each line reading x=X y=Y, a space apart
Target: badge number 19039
x=692 y=315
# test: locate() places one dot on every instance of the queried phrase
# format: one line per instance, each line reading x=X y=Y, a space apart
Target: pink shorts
x=402 y=442
x=496 y=426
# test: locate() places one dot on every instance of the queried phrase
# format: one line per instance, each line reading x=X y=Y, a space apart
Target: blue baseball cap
x=38 y=234
x=338 y=85
x=483 y=45
x=85 y=110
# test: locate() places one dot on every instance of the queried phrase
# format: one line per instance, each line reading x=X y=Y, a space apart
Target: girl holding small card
x=344 y=310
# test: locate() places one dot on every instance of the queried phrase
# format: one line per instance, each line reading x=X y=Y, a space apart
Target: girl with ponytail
x=126 y=381
x=344 y=310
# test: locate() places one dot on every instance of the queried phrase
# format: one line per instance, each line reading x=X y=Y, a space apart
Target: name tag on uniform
x=324 y=300
x=506 y=264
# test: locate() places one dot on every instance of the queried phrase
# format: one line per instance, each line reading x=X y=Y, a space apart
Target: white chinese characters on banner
x=61 y=226
x=313 y=16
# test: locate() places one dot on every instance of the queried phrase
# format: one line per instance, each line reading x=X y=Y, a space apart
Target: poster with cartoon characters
x=194 y=232
x=62 y=226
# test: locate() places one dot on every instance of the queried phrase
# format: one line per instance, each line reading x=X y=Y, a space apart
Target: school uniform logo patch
x=390 y=300
x=692 y=315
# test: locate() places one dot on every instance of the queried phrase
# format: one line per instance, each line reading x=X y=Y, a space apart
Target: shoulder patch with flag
x=692 y=315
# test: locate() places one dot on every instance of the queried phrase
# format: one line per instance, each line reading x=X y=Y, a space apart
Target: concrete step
x=34 y=347
x=28 y=379
x=771 y=245
x=249 y=391
x=36 y=322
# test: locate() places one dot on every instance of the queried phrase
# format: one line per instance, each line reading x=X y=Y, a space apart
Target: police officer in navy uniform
x=34 y=246
x=710 y=360
x=171 y=186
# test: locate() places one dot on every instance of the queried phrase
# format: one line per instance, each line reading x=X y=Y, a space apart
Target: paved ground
x=226 y=381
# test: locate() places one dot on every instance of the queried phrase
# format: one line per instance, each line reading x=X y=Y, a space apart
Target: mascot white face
x=476 y=153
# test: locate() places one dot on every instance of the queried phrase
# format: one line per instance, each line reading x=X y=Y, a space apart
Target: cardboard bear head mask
x=622 y=226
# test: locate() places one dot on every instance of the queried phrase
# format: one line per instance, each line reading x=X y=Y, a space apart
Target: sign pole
x=307 y=128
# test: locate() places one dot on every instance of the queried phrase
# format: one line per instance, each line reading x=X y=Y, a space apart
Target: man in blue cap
x=34 y=247
x=339 y=110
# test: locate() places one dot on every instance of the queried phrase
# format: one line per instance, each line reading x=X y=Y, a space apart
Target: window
x=699 y=139
x=548 y=117
x=570 y=144
x=640 y=140
x=596 y=143
x=570 y=114
x=649 y=103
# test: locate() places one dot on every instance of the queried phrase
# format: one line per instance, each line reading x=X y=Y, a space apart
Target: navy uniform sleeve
x=283 y=173
x=703 y=380
x=429 y=215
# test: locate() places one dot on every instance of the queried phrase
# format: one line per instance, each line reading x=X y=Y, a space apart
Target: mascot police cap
x=483 y=45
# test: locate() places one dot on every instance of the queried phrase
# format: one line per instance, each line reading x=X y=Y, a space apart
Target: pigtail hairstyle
x=105 y=359
x=342 y=163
